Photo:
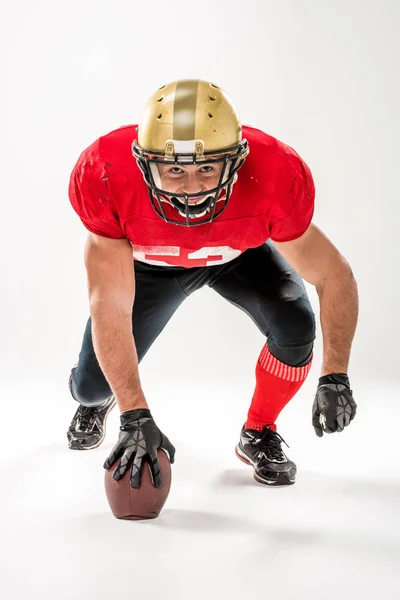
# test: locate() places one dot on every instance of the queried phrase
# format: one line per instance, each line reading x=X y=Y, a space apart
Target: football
x=145 y=502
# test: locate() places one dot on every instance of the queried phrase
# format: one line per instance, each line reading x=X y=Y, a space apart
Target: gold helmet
x=190 y=122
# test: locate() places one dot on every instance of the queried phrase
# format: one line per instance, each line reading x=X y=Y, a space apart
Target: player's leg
x=157 y=296
x=261 y=283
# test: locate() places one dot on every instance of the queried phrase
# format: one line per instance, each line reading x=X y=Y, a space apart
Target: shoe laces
x=269 y=442
x=86 y=416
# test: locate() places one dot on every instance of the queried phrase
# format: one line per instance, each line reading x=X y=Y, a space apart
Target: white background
x=324 y=78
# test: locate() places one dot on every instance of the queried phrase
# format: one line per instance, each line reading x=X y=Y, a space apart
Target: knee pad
x=88 y=394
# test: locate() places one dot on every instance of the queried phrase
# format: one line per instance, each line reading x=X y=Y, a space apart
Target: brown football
x=145 y=502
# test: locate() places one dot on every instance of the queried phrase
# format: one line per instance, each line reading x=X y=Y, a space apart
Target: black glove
x=334 y=406
x=138 y=441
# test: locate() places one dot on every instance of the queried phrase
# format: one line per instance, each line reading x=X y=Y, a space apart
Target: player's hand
x=138 y=441
x=334 y=406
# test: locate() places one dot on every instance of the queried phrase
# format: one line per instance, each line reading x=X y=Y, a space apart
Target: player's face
x=190 y=179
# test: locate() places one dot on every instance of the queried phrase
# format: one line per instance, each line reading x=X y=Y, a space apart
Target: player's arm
x=315 y=258
x=111 y=288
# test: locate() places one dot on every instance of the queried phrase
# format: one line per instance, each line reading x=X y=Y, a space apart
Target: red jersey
x=273 y=197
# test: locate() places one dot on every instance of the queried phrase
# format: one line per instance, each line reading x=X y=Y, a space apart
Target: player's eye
x=207 y=169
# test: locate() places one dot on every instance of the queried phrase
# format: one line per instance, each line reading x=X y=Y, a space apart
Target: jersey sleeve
x=295 y=199
x=90 y=197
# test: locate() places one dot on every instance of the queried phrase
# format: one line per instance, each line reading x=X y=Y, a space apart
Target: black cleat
x=262 y=450
x=88 y=427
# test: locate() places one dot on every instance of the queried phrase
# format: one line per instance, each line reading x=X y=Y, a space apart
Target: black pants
x=259 y=281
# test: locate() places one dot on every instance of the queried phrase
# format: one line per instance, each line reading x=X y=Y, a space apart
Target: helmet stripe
x=185 y=109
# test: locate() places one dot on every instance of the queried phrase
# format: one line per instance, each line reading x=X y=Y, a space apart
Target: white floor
x=334 y=534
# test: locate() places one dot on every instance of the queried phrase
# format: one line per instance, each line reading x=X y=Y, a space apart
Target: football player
x=189 y=197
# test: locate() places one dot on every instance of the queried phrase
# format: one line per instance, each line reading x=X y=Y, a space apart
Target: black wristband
x=335 y=378
x=133 y=415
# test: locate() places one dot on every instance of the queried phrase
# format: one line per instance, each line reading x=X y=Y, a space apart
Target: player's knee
x=295 y=324
x=87 y=394
x=292 y=337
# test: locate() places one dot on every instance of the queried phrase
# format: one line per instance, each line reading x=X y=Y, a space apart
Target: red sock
x=277 y=383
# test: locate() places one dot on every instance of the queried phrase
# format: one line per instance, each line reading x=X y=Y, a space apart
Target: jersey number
x=175 y=256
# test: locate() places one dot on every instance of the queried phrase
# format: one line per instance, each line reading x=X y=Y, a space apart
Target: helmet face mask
x=177 y=208
x=186 y=123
